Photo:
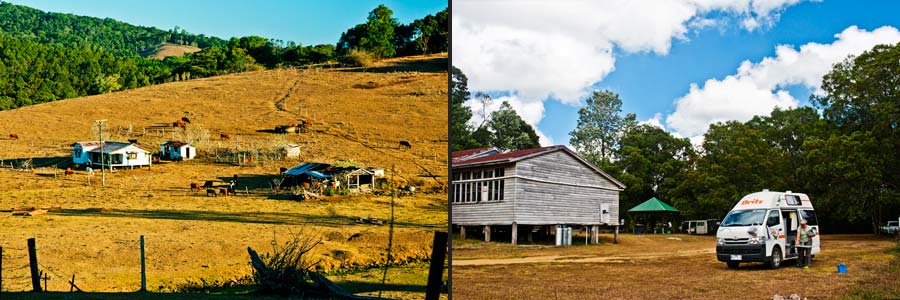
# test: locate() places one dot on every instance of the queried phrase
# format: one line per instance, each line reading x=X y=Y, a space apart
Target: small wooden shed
x=177 y=150
x=290 y=151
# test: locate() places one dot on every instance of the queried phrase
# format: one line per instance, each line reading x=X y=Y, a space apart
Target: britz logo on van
x=749 y=202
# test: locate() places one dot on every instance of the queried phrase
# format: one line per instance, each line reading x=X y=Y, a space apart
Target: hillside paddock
x=358 y=115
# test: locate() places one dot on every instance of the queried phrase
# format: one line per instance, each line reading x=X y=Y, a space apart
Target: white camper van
x=762 y=227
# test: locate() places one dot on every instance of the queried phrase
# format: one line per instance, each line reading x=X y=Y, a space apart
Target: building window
x=78 y=152
x=132 y=155
x=480 y=185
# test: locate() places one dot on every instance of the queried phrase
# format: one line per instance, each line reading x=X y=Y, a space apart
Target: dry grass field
x=166 y=49
x=655 y=267
x=359 y=115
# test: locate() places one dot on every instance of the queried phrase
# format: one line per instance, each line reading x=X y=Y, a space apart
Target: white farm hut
x=177 y=150
x=290 y=151
x=113 y=154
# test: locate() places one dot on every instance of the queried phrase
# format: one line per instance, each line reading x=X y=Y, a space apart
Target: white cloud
x=656 y=120
x=559 y=49
x=757 y=88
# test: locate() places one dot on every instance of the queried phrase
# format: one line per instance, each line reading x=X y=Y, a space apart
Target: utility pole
x=102 y=154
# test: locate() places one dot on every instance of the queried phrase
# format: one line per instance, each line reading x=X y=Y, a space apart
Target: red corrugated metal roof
x=468 y=152
x=507 y=156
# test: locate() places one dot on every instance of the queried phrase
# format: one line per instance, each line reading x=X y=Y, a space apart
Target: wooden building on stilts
x=533 y=194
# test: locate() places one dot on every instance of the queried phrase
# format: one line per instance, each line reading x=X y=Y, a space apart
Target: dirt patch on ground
x=652 y=267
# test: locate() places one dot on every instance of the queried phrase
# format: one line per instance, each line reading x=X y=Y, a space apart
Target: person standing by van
x=804 y=244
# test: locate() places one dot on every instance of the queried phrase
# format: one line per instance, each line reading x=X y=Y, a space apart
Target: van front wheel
x=775 y=261
x=733 y=264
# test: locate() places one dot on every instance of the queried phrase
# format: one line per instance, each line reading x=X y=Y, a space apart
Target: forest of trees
x=71 y=31
x=842 y=152
x=503 y=128
x=50 y=56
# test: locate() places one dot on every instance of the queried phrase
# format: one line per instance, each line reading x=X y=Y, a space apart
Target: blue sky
x=305 y=22
x=651 y=57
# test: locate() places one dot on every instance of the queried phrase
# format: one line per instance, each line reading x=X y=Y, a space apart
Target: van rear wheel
x=775 y=261
x=733 y=264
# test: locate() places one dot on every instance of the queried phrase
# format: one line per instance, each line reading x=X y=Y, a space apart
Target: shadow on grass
x=130 y=295
x=59 y=162
x=431 y=65
x=280 y=218
x=368 y=287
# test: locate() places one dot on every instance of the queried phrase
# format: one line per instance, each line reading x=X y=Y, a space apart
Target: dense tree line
x=844 y=152
x=51 y=56
x=71 y=31
x=384 y=36
x=34 y=73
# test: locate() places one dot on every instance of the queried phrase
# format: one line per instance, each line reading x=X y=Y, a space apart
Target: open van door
x=811 y=221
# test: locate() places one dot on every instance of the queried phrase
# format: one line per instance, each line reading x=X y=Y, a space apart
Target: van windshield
x=744 y=218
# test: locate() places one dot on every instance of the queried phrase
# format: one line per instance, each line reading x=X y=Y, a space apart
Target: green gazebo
x=650 y=208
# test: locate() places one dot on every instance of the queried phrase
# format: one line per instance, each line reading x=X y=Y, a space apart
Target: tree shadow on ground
x=431 y=65
x=130 y=295
x=59 y=162
x=279 y=218
x=368 y=287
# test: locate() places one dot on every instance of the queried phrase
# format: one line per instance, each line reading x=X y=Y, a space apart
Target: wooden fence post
x=436 y=270
x=32 y=261
x=143 y=268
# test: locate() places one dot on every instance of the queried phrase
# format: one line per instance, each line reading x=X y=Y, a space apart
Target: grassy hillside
x=168 y=49
x=358 y=115
x=72 y=31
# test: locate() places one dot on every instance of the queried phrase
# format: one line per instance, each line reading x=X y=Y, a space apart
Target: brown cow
x=195 y=187
x=210 y=191
x=179 y=123
x=69 y=171
x=223 y=192
x=224 y=136
x=14 y=136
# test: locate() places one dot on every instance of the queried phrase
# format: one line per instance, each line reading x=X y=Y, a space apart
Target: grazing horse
x=195 y=187
x=224 y=136
x=69 y=171
x=405 y=144
x=211 y=192
x=14 y=136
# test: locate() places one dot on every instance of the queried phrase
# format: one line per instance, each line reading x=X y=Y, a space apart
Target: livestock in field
x=211 y=192
x=14 y=136
x=195 y=187
x=186 y=120
x=179 y=123
x=208 y=184
x=223 y=192
x=69 y=171
x=405 y=144
x=224 y=136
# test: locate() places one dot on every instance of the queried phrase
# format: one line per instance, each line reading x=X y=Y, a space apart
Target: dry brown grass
x=652 y=267
x=192 y=236
x=167 y=49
